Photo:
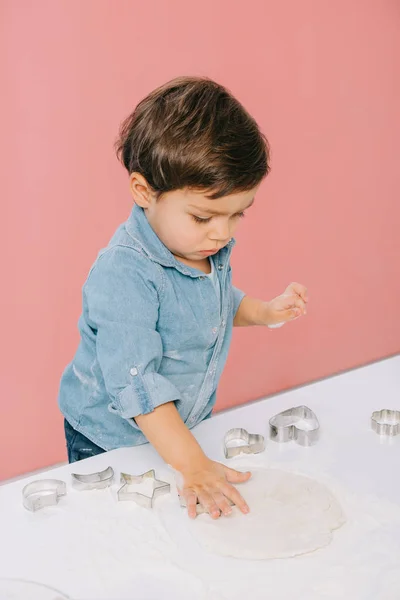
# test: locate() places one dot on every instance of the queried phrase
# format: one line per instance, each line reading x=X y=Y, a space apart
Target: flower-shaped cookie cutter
x=386 y=422
x=93 y=481
x=43 y=492
x=298 y=423
x=251 y=443
x=146 y=501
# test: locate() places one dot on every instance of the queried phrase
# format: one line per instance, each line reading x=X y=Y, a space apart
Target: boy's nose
x=221 y=234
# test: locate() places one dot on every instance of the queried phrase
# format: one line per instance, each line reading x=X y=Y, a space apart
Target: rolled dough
x=289 y=515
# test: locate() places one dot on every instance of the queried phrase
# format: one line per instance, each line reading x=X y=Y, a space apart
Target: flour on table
x=14 y=589
x=290 y=515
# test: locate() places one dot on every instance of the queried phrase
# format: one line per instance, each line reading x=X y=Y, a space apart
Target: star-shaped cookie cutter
x=126 y=493
x=253 y=442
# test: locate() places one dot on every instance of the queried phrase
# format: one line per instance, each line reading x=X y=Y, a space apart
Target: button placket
x=213 y=365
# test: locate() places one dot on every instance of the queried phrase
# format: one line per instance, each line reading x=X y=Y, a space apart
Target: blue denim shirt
x=152 y=331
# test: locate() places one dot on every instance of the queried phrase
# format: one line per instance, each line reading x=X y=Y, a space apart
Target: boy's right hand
x=209 y=483
x=199 y=478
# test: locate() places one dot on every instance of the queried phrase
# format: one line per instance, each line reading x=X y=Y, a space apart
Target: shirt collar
x=150 y=244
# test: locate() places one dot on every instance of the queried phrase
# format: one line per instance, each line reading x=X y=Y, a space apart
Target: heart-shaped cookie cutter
x=253 y=442
x=386 y=422
x=299 y=423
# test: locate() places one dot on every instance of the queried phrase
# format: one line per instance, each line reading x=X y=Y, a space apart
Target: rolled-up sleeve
x=122 y=299
x=238 y=296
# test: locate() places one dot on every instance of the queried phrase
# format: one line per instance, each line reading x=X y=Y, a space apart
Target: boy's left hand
x=290 y=305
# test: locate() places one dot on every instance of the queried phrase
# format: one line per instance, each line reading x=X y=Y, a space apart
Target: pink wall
x=321 y=77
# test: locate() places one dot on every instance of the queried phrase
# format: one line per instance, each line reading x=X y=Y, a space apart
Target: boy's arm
x=251 y=312
x=173 y=441
x=203 y=480
x=286 y=307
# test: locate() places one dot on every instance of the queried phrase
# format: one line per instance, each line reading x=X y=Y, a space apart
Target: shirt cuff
x=144 y=394
x=238 y=296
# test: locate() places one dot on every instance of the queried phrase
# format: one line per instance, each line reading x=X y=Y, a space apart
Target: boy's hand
x=288 y=306
x=210 y=485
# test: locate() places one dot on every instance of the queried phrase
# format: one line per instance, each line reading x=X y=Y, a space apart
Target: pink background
x=322 y=79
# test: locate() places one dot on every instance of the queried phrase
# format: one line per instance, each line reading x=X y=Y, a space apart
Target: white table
x=90 y=546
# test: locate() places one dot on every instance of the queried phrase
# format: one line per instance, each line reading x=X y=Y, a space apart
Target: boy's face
x=192 y=226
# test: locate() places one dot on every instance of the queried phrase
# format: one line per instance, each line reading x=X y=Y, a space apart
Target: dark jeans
x=78 y=446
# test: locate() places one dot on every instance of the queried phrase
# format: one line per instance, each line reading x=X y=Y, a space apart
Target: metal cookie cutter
x=43 y=492
x=299 y=423
x=93 y=481
x=386 y=422
x=126 y=493
x=254 y=443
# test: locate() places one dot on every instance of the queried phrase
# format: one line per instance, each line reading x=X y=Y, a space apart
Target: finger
x=209 y=504
x=295 y=300
x=234 y=476
x=191 y=503
x=300 y=289
x=299 y=307
x=295 y=303
x=232 y=494
x=292 y=314
x=222 y=503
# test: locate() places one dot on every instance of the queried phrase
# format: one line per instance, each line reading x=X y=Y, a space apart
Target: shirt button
x=220 y=267
x=133 y=371
x=223 y=323
x=214 y=330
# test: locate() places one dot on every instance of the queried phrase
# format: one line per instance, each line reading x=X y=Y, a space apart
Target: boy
x=158 y=304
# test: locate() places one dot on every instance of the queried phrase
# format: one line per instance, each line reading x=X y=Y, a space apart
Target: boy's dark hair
x=191 y=132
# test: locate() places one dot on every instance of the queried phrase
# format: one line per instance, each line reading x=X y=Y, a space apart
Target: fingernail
x=246 y=509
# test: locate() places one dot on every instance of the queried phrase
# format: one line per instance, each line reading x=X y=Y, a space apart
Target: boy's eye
x=201 y=220
x=208 y=219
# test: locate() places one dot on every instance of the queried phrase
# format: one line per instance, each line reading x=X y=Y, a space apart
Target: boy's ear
x=141 y=191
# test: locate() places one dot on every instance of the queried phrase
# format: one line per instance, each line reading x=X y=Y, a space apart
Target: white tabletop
x=91 y=546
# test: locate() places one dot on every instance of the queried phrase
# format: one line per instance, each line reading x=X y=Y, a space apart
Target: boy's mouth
x=208 y=252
